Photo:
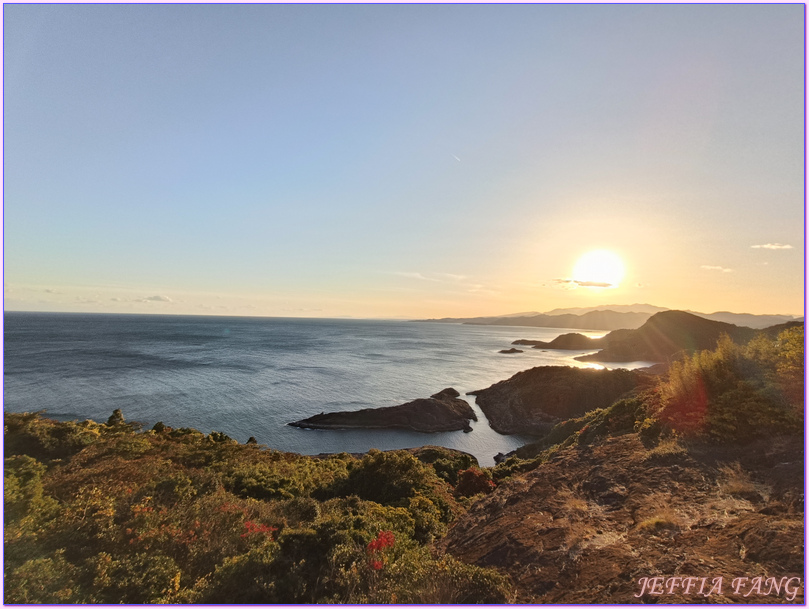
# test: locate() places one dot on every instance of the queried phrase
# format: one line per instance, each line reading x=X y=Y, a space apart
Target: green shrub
x=446 y=463
x=49 y=580
x=141 y=578
x=390 y=477
x=25 y=502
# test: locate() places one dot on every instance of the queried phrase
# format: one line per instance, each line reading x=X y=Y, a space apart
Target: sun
x=599 y=269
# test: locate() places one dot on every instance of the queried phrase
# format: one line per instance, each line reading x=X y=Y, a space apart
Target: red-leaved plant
x=384 y=539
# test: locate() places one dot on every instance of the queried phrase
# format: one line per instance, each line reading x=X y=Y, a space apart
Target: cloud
x=479 y=288
x=721 y=269
x=435 y=277
x=418 y=276
x=772 y=246
x=572 y=284
x=451 y=276
x=156 y=298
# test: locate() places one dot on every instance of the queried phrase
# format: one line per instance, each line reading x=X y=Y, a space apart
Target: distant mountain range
x=610 y=317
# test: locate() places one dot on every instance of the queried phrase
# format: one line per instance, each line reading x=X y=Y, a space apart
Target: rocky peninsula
x=443 y=411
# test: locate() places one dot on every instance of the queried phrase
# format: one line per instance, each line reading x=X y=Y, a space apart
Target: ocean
x=251 y=376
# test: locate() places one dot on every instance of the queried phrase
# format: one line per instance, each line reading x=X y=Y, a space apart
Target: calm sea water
x=252 y=376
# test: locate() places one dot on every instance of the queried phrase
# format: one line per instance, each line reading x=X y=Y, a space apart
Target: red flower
x=384 y=539
x=252 y=527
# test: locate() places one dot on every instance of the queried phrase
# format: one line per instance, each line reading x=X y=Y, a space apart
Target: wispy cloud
x=436 y=277
x=772 y=246
x=721 y=269
x=410 y=275
x=479 y=288
x=572 y=284
x=156 y=298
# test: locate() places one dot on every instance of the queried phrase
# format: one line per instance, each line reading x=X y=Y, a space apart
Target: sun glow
x=599 y=269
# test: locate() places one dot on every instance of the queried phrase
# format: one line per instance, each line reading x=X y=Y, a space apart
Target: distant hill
x=667 y=333
x=592 y=320
x=633 y=308
x=609 y=317
x=746 y=319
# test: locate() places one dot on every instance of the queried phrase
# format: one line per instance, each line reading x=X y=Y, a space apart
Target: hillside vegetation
x=104 y=513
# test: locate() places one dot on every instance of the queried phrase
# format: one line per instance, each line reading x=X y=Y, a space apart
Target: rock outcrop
x=512 y=350
x=572 y=341
x=443 y=411
x=533 y=401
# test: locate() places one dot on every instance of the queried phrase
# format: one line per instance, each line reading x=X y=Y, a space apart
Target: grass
x=667 y=449
x=736 y=482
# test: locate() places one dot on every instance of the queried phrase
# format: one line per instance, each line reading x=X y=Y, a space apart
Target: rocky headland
x=533 y=401
x=443 y=411
x=572 y=341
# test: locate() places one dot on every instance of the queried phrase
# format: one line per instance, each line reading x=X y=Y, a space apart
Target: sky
x=402 y=161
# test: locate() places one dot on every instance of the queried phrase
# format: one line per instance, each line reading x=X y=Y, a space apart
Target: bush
x=736 y=393
x=43 y=580
x=390 y=477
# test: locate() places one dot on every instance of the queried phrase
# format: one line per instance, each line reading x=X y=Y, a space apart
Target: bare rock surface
x=589 y=524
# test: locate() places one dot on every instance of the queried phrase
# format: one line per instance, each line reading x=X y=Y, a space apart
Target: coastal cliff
x=443 y=411
x=533 y=401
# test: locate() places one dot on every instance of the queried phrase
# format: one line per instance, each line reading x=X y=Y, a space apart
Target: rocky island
x=443 y=411
x=572 y=341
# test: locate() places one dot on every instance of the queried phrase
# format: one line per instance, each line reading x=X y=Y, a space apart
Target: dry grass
x=669 y=448
x=657 y=513
x=573 y=506
x=736 y=482
x=667 y=519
